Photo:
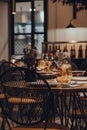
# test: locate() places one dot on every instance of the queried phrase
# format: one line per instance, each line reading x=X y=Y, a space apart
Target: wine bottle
x=55 y=47
x=59 y=48
x=49 y=51
x=80 y=52
x=86 y=52
x=65 y=49
x=54 y=50
x=51 y=57
x=46 y=56
x=73 y=53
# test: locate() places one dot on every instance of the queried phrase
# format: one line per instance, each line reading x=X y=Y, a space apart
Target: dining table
x=67 y=97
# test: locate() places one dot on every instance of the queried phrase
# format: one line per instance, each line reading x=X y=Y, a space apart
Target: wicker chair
x=4 y=66
x=84 y=66
x=74 y=66
x=28 y=99
x=78 y=113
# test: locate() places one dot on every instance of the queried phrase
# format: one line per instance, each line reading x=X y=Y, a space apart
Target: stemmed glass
x=64 y=74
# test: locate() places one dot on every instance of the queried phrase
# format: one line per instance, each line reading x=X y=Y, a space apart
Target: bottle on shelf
x=49 y=51
x=86 y=52
x=73 y=52
x=55 y=47
x=54 y=50
x=59 y=48
x=42 y=56
x=65 y=49
x=80 y=52
x=46 y=56
x=51 y=58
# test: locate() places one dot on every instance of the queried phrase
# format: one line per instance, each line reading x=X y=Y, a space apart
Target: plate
x=79 y=78
x=78 y=72
x=74 y=84
x=71 y=84
x=52 y=82
x=51 y=75
x=45 y=73
x=41 y=72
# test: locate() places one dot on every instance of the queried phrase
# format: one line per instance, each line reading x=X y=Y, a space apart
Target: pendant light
x=13 y=7
x=70 y=25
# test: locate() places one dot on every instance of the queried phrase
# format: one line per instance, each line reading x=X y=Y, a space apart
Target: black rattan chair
x=4 y=66
x=74 y=66
x=78 y=112
x=84 y=66
x=28 y=103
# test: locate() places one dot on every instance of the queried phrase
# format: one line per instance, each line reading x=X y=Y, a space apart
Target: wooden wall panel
x=3 y=30
x=59 y=16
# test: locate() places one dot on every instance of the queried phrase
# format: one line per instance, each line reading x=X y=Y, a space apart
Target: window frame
x=45 y=4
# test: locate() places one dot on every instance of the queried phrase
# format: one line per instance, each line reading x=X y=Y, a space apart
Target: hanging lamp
x=70 y=25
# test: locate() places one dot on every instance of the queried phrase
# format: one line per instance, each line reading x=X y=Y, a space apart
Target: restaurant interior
x=43 y=64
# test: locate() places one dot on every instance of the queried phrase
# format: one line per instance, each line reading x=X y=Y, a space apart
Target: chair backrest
x=74 y=66
x=84 y=66
x=28 y=100
x=5 y=65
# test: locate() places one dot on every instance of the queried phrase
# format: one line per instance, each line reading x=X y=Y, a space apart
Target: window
x=29 y=25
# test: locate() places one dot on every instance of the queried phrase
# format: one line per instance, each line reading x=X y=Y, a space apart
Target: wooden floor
x=33 y=129
x=49 y=127
x=52 y=126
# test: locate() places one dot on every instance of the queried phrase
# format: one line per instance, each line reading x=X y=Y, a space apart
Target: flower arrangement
x=30 y=55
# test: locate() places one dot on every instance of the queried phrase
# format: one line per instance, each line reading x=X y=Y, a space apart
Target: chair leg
x=4 y=122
